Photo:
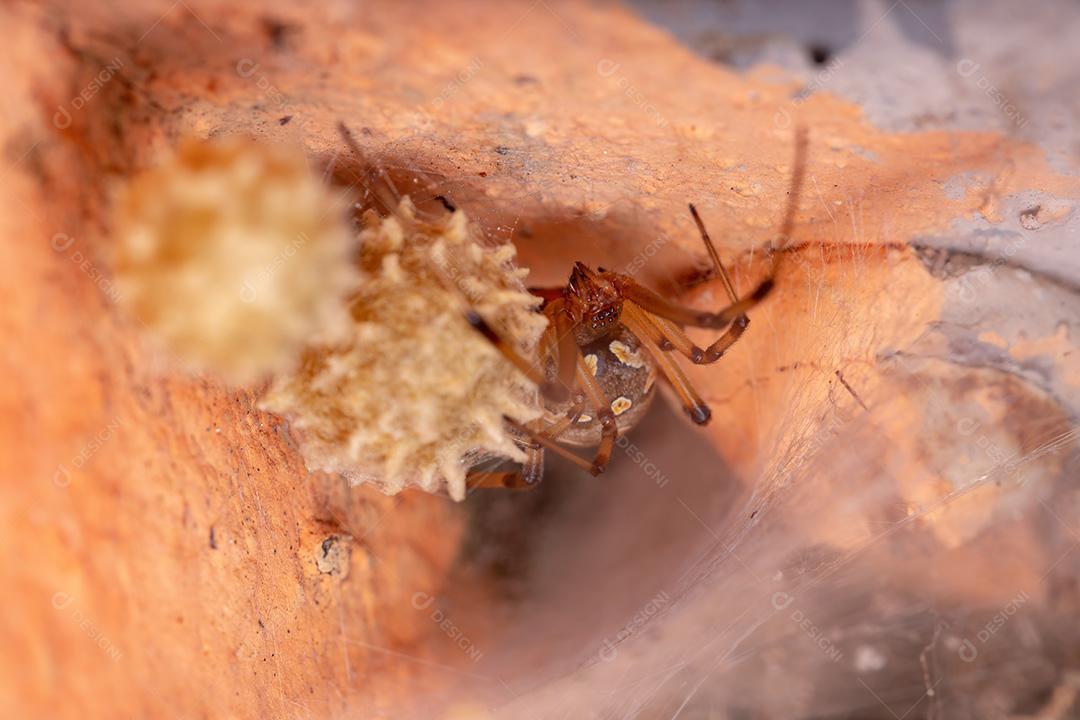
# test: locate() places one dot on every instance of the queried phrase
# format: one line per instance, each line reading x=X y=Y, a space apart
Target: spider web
x=821 y=586
x=817 y=588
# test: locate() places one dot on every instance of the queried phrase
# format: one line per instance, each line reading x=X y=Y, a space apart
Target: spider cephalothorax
x=607 y=339
x=593 y=302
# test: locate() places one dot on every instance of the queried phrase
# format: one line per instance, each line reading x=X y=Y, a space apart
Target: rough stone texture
x=175 y=521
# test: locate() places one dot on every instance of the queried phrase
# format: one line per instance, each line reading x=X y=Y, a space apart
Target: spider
x=608 y=337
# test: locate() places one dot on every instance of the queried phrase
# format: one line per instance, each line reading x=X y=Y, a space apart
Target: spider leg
x=547 y=442
x=532 y=472
x=377 y=182
x=528 y=477
x=572 y=373
x=556 y=429
x=553 y=391
x=559 y=333
x=682 y=315
x=594 y=395
x=559 y=323
x=676 y=339
x=639 y=323
x=602 y=407
x=505 y=479
x=713 y=255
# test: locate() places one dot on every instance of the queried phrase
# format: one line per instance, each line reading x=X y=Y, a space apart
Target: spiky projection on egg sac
x=415 y=396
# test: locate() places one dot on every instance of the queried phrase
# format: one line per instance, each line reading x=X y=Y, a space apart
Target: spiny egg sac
x=414 y=396
x=233 y=255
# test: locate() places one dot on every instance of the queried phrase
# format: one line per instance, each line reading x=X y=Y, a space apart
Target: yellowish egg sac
x=415 y=396
x=234 y=256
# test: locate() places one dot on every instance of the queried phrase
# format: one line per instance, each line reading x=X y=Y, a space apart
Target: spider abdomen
x=625 y=373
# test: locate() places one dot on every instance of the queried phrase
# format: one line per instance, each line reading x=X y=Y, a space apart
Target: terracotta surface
x=166 y=518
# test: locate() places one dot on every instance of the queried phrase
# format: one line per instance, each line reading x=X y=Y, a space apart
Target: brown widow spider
x=607 y=337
